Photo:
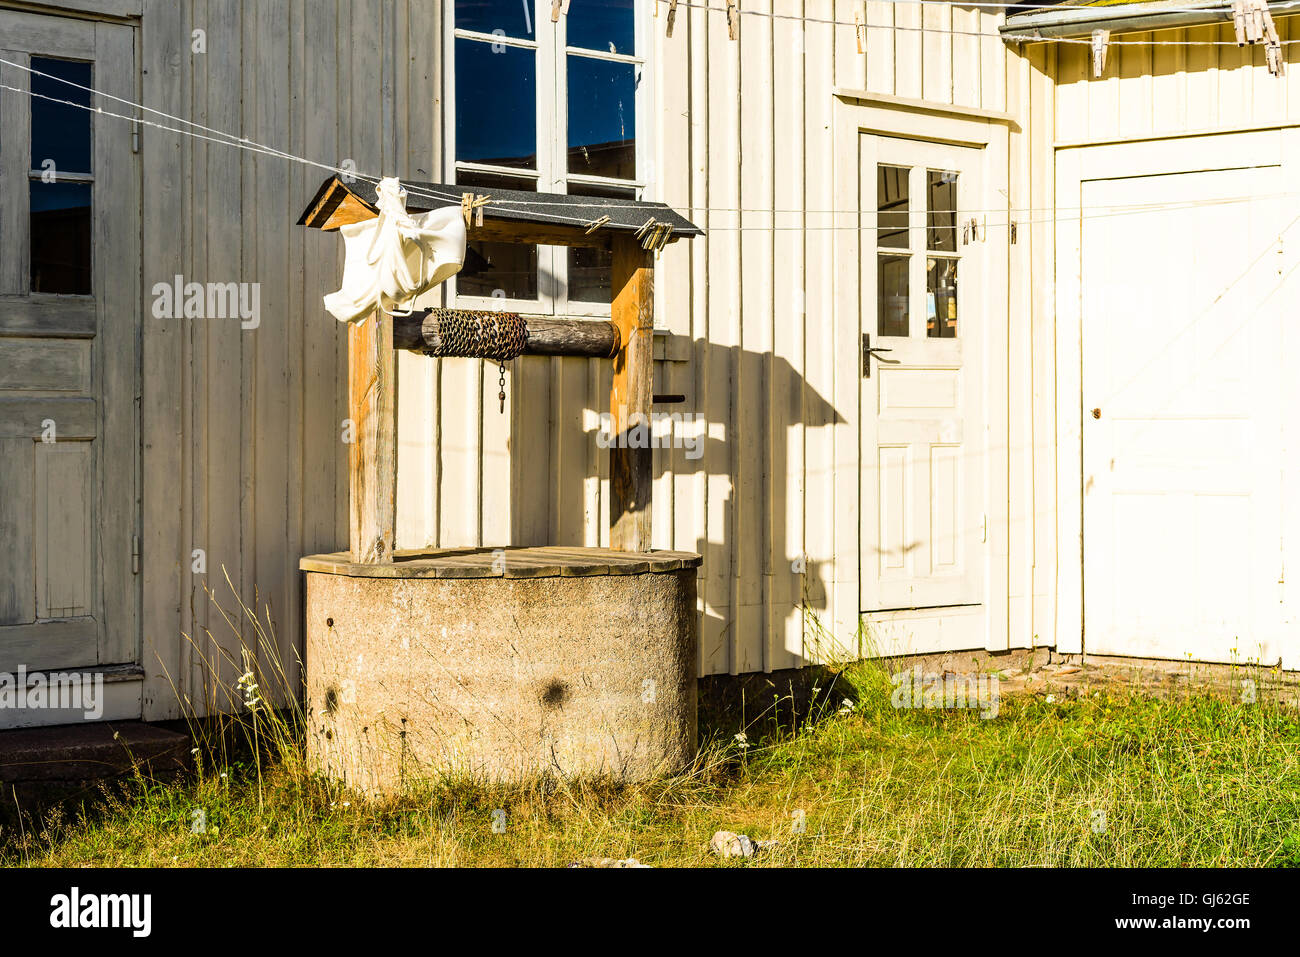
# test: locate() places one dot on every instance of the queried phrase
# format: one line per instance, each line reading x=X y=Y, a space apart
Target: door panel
x=1183 y=351
x=69 y=285
x=922 y=416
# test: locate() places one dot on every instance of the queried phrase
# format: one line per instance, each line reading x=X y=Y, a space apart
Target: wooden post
x=630 y=455
x=372 y=456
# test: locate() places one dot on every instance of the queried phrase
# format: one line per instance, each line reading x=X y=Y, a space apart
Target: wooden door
x=1184 y=409
x=923 y=524
x=69 y=290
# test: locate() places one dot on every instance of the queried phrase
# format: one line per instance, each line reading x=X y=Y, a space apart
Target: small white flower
x=741 y=740
x=847 y=707
x=1051 y=699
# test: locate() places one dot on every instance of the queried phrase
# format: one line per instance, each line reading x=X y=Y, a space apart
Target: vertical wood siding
x=243 y=455
x=743 y=147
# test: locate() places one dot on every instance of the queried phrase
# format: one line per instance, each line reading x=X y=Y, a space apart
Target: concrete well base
x=500 y=665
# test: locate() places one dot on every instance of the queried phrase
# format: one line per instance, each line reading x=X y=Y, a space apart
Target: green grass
x=1191 y=781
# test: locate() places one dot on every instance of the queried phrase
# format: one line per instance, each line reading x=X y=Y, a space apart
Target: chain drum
x=474 y=334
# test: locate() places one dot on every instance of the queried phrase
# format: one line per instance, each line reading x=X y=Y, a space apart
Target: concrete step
x=88 y=752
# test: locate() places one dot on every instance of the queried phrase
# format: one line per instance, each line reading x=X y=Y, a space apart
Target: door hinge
x=135 y=137
x=984 y=529
x=135 y=554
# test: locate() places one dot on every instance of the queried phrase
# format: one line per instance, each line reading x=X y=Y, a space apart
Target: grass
x=1187 y=781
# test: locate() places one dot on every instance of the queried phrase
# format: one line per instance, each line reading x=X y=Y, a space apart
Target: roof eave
x=1126 y=18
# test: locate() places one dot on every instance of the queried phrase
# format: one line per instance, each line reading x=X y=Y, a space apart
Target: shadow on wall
x=748 y=404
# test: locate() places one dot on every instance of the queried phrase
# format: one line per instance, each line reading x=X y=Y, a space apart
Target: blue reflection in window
x=60 y=133
x=608 y=26
x=514 y=17
x=496 y=105
x=602 y=118
x=60 y=238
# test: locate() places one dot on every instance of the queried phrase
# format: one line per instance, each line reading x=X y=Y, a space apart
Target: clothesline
x=209 y=134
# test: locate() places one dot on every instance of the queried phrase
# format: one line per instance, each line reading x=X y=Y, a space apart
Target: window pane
x=608 y=26
x=941 y=299
x=60 y=133
x=891 y=206
x=602 y=118
x=60 y=238
x=496 y=105
x=591 y=270
x=513 y=17
x=891 y=314
x=506 y=270
x=941 y=211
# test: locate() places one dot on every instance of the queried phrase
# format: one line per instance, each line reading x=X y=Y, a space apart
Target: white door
x=69 y=290
x=1184 y=412
x=922 y=417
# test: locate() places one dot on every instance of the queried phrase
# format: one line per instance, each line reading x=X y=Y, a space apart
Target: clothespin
x=472 y=206
x=672 y=16
x=648 y=225
x=1239 y=21
x=1273 y=57
x=1100 y=42
x=558 y=7
x=1258 y=11
x=858 y=30
x=596 y=224
x=663 y=239
x=733 y=19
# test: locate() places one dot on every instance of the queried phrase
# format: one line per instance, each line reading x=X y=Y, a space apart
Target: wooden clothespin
x=1239 y=21
x=558 y=7
x=733 y=19
x=858 y=30
x=596 y=224
x=471 y=206
x=672 y=16
x=648 y=225
x=1100 y=42
x=666 y=233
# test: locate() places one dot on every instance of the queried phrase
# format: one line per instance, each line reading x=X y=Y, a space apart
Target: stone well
x=500 y=665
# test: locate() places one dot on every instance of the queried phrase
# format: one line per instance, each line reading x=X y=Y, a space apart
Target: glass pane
x=891 y=206
x=514 y=18
x=61 y=238
x=501 y=270
x=608 y=26
x=941 y=211
x=891 y=314
x=602 y=118
x=591 y=270
x=941 y=299
x=496 y=104
x=60 y=133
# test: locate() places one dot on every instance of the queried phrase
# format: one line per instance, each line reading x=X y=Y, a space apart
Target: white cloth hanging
x=395 y=257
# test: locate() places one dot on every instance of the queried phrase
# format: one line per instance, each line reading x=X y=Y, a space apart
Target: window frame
x=552 y=148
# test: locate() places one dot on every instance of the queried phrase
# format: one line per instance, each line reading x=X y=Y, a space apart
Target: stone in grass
x=608 y=862
x=730 y=844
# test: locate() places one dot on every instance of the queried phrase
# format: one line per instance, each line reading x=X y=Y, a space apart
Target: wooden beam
x=594 y=338
x=630 y=398
x=372 y=455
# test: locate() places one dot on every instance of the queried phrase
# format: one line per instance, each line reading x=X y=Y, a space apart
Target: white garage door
x=1186 y=412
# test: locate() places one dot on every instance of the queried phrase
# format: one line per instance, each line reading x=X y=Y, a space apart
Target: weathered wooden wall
x=243 y=453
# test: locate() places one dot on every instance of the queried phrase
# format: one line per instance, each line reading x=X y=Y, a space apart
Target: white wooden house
x=1031 y=242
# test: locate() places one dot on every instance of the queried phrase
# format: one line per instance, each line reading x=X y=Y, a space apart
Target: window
x=60 y=179
x=899 y=245
x=550 y=107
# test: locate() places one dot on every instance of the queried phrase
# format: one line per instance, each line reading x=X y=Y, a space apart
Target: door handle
x=868 y=352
